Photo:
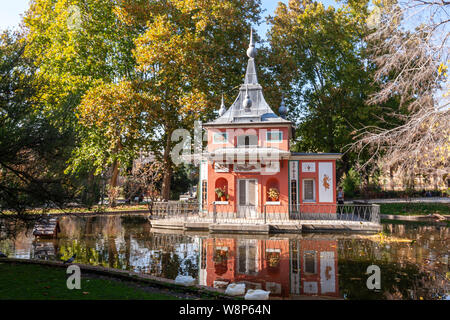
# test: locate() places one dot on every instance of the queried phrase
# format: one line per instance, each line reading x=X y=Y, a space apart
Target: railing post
x=375 y=213
x=214 y=213
x=265 y=214
x=167 y=210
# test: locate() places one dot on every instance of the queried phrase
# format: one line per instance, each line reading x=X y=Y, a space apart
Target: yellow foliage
x=116 y=110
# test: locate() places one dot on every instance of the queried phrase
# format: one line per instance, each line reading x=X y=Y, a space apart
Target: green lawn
x=35 y=282
x=414 y=208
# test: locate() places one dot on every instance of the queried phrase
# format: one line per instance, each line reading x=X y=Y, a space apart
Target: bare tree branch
x=411 y=68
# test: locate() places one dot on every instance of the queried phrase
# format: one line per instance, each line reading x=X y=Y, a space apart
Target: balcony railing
x=224 y=213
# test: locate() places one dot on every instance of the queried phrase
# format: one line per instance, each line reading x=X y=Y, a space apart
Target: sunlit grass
x=35 y=282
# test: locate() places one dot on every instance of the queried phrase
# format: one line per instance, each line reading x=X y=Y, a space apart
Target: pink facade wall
x=229 y=180
x=232 y=180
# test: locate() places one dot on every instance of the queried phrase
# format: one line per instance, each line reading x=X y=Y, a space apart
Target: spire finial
x=222 y=109
x=251 y=51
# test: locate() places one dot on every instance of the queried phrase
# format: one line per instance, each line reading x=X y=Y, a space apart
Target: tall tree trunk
x=115 y=174
x=168 y=170
x=90 y=194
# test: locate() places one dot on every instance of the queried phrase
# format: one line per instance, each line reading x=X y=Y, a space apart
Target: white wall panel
x=326 y=183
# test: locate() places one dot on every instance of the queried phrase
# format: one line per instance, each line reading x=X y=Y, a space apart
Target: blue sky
x=11 y=11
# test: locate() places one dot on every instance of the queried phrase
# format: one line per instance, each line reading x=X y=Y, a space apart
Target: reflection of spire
x=222 y=109
x=250 y=75
x=247 y=103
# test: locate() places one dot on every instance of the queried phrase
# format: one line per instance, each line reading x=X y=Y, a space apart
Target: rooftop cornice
x=259 y=124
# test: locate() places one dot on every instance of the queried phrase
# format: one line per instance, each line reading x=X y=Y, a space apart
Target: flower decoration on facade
x=273 y=260
x=221 y=194
x=273 y=194
x=326 y=181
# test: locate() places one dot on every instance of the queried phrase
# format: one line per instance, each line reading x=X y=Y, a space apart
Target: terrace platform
x=305 y=219
x=259 y=227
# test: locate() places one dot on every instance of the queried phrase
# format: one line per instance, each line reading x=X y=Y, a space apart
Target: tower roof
x=250 y=105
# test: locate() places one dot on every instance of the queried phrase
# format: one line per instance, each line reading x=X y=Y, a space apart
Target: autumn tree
x=179 y=54
x=117 y=118
x=81 y=49
x=76 y=43
x=190 y=53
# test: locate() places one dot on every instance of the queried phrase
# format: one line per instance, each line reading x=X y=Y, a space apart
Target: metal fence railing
x=227 y=213
x=164 y=210
x=343 y=212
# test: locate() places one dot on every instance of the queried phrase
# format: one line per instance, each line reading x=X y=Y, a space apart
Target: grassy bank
x=35 y=282
x=415 y=208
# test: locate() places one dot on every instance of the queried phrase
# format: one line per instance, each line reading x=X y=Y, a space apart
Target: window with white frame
x=309 y=190
x=220 y=137
x=274 y=136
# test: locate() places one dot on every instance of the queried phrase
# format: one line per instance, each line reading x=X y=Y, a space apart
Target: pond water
x=413 y=259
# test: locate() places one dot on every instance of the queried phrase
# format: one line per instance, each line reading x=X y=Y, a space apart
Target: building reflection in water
x=44 y=249
x=284 y=267
x=414 y=258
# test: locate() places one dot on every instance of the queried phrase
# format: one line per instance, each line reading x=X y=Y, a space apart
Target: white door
x=248 y=198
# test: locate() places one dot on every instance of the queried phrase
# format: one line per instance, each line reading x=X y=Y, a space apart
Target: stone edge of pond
x=131 y=276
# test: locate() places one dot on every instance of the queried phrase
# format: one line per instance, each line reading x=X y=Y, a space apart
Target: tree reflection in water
x=290 y=267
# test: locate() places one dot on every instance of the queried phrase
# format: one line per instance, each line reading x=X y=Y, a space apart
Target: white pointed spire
x=250 y=105
x=251 y=51
x=222 y=109
x=250 y=74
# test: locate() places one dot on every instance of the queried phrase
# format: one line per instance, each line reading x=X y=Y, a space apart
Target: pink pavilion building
x=248 y=169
